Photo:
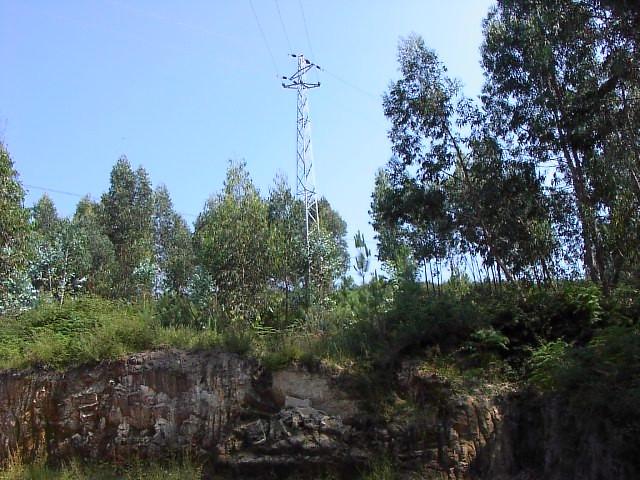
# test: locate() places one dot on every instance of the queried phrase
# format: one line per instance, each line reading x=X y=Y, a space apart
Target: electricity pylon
x=305 y=177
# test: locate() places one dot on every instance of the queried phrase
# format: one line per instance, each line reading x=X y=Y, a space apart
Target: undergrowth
x=567 y=339
x=79 y=470
x=87 y=330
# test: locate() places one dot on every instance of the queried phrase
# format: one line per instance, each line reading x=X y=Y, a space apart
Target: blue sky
x=182 y=87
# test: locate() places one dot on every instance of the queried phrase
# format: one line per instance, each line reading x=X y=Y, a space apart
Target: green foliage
x=363 y=257
x=84 y=330
x=382 y=321
x=89 y=329
x=547 y=362
x=175 y=310
x=44 y=215
x=99 y=251
x=381 y=469
x=238 y=341
x=536 y=315
x=173 y=248
x=14 y=233
x=327 y=265
x=16 y=469
x=559 y=80
x=62 y=260
x=231 y=238
x=454 y=187
x=600 y=385
x=489 y=339
x=126 y=216
x=284 y=354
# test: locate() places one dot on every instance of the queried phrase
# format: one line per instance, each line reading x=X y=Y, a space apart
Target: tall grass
x=88 y=330
x=15 y=469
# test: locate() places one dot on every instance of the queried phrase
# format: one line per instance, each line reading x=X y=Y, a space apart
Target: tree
x=44 y=215
x=230 y=240
x=454 y=186
x=62 y=260
x=287 y=247
x=563 y=78
x=363 y=257
x=15 y=291
x=336 y=228
x=327 y=265
x=326 y=259
x=173 y=248
x=410 y=220
x=99 y=249
x=127 y=219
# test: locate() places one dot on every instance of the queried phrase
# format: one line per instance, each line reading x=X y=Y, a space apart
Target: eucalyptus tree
x=453 y=185
x=410 y=216
x=100 y=251
x=173 y=247
x=231 y=243
x=62 y=260
x=563 y=79
x=44 y=215
x=15 y=289
x=127 y=219
x=336 y=229
x=325 y=260
x=287 y=247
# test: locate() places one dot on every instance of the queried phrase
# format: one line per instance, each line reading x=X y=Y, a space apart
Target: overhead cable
x=78 y=195
x=352 y=85
x=284 y=30
x=264 y=39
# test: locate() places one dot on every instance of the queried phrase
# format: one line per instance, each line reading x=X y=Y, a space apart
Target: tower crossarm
x=297 y=79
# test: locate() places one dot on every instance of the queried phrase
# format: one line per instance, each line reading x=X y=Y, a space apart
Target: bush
x=599 y=384
x=547 y=363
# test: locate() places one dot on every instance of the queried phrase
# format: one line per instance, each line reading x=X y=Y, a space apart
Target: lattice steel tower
x=305 y=177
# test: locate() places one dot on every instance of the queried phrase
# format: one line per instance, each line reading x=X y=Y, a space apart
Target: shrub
x=547 y=363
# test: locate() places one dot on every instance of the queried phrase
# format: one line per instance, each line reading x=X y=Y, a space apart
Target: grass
x=88 y=330
x=15 y=469
x=381 y=469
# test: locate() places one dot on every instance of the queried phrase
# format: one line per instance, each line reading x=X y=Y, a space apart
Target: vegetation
x=88 y=330
x=78 y=470
x=507 y=226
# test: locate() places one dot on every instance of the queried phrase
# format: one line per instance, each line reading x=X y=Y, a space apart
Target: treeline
x=539 y=178
x=245 y=260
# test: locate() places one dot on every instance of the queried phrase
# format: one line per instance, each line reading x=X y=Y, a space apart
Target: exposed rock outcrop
x=146 y=405
x=249 y=423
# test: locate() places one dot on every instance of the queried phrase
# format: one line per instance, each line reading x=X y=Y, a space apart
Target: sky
x=183 y=87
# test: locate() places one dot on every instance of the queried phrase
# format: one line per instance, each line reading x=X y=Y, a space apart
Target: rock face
x=249 y=423
x=147 y=405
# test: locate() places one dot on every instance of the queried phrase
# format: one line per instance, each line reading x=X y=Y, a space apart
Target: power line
x=284 y=30
x=264 y=39
x=53 y=190
x=352 y=85
x=306 y=30
x=73 y=194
